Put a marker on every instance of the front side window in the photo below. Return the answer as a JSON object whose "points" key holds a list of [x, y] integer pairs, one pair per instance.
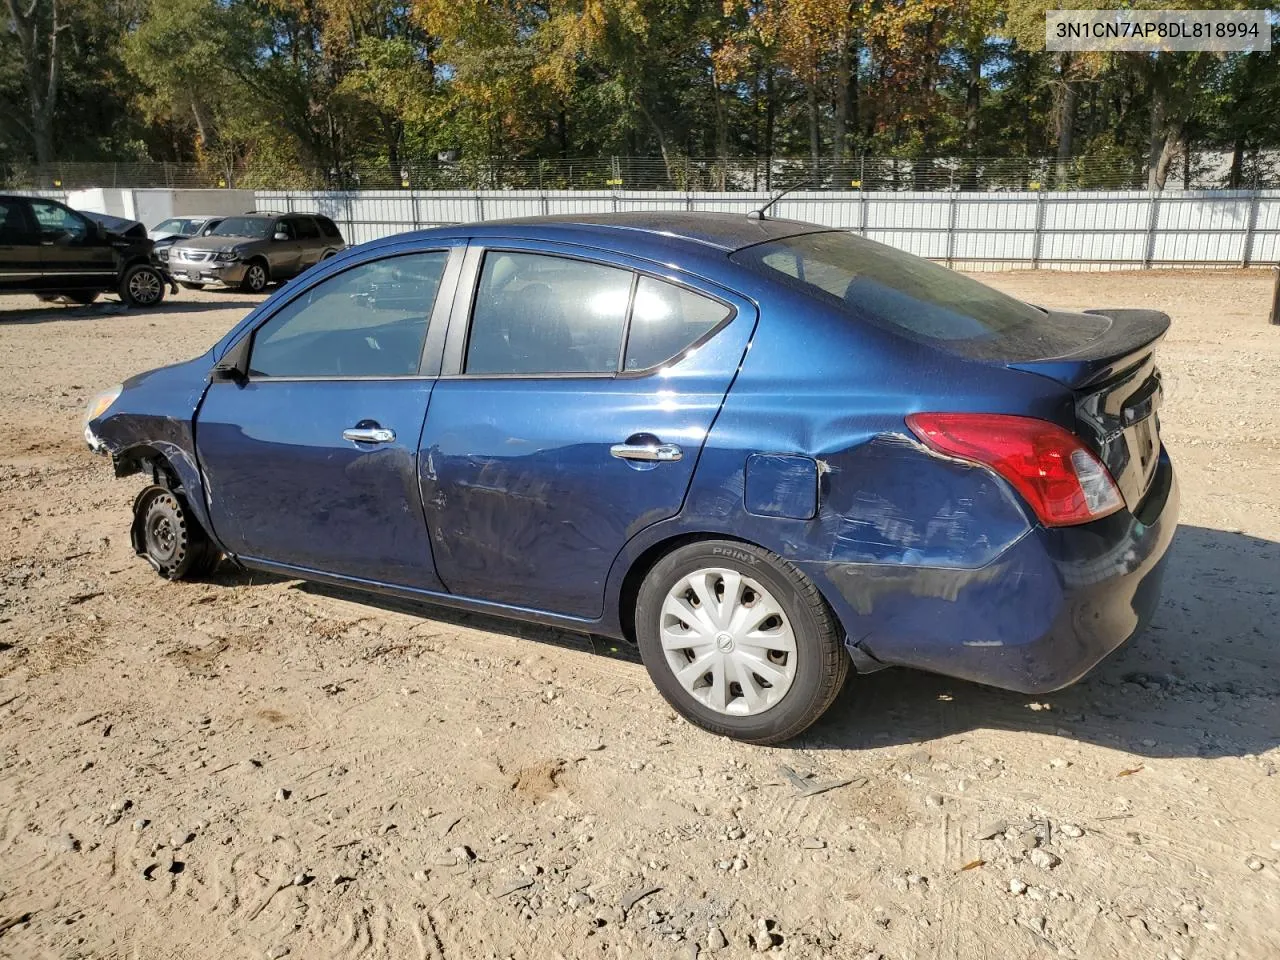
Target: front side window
{"points": [[539, 314], [666, 320], [57, 219], [369, 321]]}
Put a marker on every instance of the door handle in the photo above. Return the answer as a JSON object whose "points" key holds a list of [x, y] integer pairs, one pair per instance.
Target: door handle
{"points": [[659, 452], [369, 434]]}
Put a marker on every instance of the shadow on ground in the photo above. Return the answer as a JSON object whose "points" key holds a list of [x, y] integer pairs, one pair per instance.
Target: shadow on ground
{"points": [[55, 313], [1202, 681]]}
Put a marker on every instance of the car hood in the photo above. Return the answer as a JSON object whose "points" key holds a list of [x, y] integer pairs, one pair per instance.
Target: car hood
{"points": [[118, 226], [217, 243]]}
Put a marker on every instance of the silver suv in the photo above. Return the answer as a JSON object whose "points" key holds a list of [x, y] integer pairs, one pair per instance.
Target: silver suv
{"points": [[254, 249]]}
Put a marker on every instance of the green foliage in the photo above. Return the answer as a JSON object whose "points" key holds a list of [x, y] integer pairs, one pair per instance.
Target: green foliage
{"points": [[306, 92]]}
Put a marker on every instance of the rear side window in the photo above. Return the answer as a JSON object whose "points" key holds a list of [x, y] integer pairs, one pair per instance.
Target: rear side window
{"points": [[329, 228], [537, 314], [916, 298], [305, 229], [666, 320], [369, 321]]}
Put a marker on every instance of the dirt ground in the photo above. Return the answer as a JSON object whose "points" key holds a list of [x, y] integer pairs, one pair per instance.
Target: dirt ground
{"points": [[250, 767]]}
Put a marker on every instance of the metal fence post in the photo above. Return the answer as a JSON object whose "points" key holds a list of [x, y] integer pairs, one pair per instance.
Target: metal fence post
{"points": [[951, 230], [1152, 223], [1037, 239], [1247, 255], [862, 211]]}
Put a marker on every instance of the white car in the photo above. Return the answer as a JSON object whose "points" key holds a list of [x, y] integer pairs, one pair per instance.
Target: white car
{"points": [[180, 228]]}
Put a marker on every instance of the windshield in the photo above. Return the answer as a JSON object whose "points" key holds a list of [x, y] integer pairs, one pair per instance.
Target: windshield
{"points": [[919, 299], [179, 225], [255, 227]]}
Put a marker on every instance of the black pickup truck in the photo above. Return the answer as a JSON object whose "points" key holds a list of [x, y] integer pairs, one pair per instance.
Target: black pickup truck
{"points": [[60, 254]]}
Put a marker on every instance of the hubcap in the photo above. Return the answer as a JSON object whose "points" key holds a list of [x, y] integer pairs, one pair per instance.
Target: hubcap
{"points": [[257, 277], [728, 642], [144, 286]]}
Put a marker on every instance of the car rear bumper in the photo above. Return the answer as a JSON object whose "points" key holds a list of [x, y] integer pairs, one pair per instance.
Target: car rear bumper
{"points": [[1034, 620]]}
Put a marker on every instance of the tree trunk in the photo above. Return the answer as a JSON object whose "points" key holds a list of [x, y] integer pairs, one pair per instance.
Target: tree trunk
{"points": [[840, 127], [815, 137], [1235, 177], [769, 120], [1174, 144], [1064, 116], [1157, 136], [41, 73]]}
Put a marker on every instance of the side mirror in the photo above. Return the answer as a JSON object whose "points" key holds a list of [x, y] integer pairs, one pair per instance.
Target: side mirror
{"points": [[234, 365], [281, 235]]}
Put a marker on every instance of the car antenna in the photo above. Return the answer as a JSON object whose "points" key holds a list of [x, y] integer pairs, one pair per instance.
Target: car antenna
{"points": [[760, 214]]}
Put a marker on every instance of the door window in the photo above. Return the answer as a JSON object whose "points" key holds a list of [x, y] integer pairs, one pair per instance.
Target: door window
{"points": [[538, 314], [56, 219], [328, 228], [368, 321], [285, 227], [13, 222], [305, 229], [666, 320]]}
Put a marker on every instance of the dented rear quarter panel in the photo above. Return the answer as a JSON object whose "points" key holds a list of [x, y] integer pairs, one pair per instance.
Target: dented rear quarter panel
{"points": [[900, 534]]}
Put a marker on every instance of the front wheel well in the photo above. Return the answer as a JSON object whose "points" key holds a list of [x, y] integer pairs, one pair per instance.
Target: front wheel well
{"points": [[645, 562]]}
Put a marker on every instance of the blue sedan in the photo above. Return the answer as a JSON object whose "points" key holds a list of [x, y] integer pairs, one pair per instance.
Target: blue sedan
{"points": [[765, 451]]}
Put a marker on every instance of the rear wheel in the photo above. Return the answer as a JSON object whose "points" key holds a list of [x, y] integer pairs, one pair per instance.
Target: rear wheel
{"points": [[255, 277], [142, 286], [169, 537], [739, 641]]}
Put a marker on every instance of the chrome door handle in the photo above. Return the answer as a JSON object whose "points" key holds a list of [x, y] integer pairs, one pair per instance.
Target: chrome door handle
{"points": [[369, 434], [659, 452]]}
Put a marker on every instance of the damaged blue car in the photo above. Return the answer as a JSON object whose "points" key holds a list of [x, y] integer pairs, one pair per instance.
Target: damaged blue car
{"points": [[765, 451]]}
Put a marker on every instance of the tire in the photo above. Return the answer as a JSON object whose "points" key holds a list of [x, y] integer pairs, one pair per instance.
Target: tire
{"points": [[802, 681], [168, 536], [188, 285], [142, 286], [255, 278]]}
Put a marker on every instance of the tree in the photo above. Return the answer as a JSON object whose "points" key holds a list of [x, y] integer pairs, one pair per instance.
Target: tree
{"points": [[39, 26]]}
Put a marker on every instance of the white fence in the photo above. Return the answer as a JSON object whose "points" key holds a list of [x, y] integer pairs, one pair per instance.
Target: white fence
{"points": [[1080, 231]]}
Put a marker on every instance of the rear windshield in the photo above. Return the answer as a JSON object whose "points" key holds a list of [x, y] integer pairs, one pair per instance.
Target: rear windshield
{"points": [[919, 299]]}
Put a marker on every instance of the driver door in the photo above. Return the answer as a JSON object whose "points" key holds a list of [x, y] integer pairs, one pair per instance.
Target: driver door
{"points": [[73, 253], [311, 460]]}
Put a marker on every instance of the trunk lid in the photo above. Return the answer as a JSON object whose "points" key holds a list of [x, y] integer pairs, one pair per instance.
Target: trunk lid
{"points": [[1117, 393]]}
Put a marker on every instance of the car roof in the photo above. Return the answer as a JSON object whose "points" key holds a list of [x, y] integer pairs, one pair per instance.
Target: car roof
{"points": [[724, 231]]}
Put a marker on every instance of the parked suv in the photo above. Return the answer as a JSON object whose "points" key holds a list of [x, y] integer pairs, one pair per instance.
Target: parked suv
{"points": [[168, 232], [251, 250], [57, 253]]}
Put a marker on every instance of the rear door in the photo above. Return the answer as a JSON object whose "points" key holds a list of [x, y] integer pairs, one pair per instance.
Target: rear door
{"points": [[19, 246], [74, 253], [578, 388], [311, 463], [310, 243]]}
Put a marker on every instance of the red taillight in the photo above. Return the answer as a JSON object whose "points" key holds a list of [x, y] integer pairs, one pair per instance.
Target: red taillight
{"points": [[1057, 474]]}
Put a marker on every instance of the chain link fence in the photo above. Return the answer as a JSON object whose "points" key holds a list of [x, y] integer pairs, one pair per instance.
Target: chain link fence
{"points": [[1205, 170]]}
